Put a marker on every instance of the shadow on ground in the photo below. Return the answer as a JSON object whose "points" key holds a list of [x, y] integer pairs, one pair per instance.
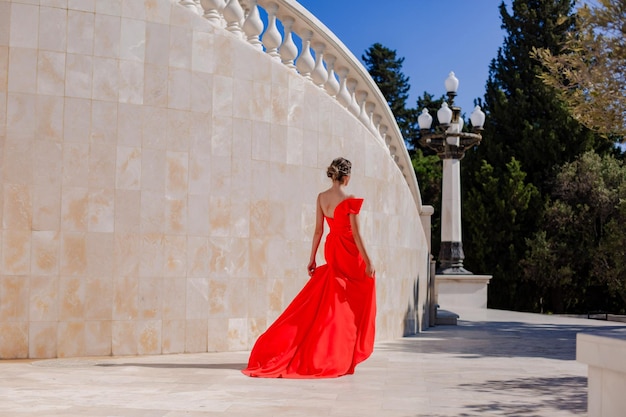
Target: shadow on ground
{"points": [[478, 339]]}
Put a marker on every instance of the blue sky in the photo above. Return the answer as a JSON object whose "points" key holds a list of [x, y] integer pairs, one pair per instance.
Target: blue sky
{"points": [[434, 37]]}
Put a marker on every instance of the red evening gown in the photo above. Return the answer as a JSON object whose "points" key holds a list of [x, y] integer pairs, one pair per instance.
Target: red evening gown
{"points": [[329, 326]]}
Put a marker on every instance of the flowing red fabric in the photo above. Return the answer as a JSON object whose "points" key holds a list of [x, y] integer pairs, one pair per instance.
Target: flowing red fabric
{"points": [[329, 326]]}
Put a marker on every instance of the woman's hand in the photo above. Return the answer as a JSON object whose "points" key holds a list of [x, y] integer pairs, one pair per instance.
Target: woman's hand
{"points": [[311, 267], [369, 270]]}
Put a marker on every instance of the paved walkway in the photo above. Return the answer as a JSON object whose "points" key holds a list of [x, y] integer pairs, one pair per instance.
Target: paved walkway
{"points": [[494, 363]]}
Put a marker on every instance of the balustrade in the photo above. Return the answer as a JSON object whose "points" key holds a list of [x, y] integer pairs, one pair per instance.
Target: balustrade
{"points": [[334, 68]]}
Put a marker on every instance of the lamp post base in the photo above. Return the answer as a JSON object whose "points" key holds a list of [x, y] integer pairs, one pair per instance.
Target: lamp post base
{"points": [[451, 259]]}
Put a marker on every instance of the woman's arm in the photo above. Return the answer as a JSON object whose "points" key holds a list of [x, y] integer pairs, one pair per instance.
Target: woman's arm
{"points": [[317, 235], [354, 222]]}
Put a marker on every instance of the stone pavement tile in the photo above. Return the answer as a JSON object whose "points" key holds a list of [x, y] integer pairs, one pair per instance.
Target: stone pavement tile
{"points": [[493, 363]]}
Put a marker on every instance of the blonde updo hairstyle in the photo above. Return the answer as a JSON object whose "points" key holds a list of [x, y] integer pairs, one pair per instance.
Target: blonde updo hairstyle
{"points": [[339, 169]]}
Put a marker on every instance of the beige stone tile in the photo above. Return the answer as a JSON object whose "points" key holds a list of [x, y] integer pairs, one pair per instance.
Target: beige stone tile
{"points": [[173, 336], [220, 216], [77, 121], [20, 118], [225, 44], [75, 209], [44, 299], [197, 300], [201, 92], [127, 211], [237, 334], [196, 335], [16, 246], [78, 75], [132, 39], [178, 130], [14, 292], [4, 69], [5, 26], [125, 299], [109, 7], [152, 212], [278, 144], [150, 294], [46, 207], [72, 300], [17, 207], [125, 338], [98, 338], [155, 85], [157, 11], [45, 253], [174, 255], [179, 89], [104, 122], [203, 52], [47, 163], [157, 39], [129, 125], [107, 33], [258, 253], [80, 31], [83, 5], [51, 73], [174, 300], [128, 168], [126, 254], [50, 118], [42, 339], [102, 158], [151, 263], [61, 4], [217, 335], [199, 179], [71, 339], [134, 10], [100, 250], [279, 108], [176, 184], [75, 165], [261, 94], [131, 82], [155, 128], [101, 210], [73, 254], [149, 337], [180, 47], [14, 340], [24, 25], [52, 29], [198, 256], [223, 96], [105, 79], [220, 176]]}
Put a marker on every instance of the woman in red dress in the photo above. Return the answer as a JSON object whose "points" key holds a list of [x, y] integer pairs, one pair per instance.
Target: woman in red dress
{"points": [[329, 326]]}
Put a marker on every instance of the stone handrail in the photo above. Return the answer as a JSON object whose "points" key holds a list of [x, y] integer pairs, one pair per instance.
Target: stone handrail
{"points": [[332, 67]]}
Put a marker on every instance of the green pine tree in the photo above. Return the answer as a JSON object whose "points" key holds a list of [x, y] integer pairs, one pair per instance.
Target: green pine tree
{"points": [[528, 134]]}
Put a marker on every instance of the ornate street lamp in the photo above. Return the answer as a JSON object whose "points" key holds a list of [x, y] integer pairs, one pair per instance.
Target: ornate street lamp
{"points": [[450, 143]]}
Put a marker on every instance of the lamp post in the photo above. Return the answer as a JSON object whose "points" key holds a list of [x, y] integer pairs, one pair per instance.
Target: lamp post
{"points": [[450, 143]]}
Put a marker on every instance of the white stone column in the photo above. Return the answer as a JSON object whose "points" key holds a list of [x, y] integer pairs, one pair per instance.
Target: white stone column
{"points": [[451, 251]]}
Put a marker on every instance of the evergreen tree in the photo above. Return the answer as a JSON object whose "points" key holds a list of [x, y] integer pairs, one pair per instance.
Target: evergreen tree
{"points": [[385, 69], [528, 134]]}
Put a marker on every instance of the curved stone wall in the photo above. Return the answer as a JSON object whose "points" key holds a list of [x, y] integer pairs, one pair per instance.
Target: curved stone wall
{"points": [[159, 179]]}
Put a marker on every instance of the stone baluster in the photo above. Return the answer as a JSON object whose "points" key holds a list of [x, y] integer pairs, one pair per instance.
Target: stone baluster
{"points": [[319, 75], [253, 25], [343, 96], [212, 10], [233, 13], [305, 62], [383, 134], [376, 119], [189, 4], [361, 97], [271, 38], [370, 107], [288, 49], [332, 85], [353, 106]]}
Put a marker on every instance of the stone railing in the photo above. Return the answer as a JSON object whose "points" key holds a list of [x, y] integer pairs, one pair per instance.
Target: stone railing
{"points": [[323, 59]]}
